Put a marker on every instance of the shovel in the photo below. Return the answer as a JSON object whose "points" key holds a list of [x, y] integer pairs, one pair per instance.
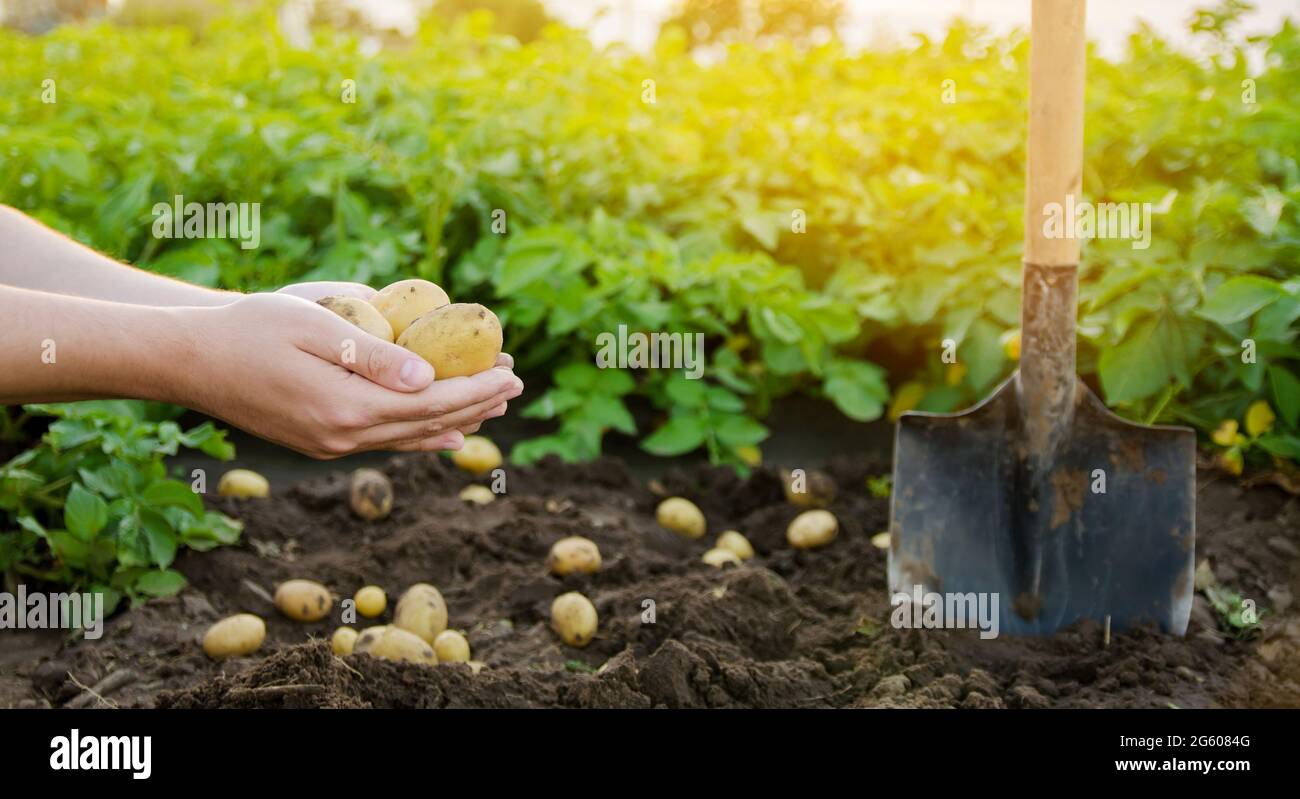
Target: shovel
{"points": [[1039, 496]]}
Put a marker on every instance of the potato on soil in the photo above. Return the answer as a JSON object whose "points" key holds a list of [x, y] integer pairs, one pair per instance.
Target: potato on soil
{"points": [[393, 643], [243, 483], [360, 313], [241, 634], [457, 340], [401, 303], [343, 641], [371, 494], [818, 489], [737, 543], [573, 618], [478, 455], [371, 601], [573, 554], [303, 600], [479, 495], [681, 516], [719, 557], [451, 647], [812, 528], [422, 611]]}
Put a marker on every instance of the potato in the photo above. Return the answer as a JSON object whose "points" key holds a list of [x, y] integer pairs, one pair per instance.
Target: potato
{"points": [[451, 647], [241, 634], [360, 313], [737, 543], [393, 643], [818, 489], [243, 483], [303, 600], [573, 554], [370, 600], [343, 641], [457, 340], [573, 618], [478, 456], [881, 540], [371, 494], [422, 611], [681, 516], [401, 303], [719, 557], [812, 528], [479, 495]]}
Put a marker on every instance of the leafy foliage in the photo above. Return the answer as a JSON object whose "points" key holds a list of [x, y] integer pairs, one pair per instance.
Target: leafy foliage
{"points": [[826, 220], [93, 506]]}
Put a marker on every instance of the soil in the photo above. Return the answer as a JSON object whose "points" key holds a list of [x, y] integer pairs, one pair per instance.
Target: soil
{"points": [[786, 629]]}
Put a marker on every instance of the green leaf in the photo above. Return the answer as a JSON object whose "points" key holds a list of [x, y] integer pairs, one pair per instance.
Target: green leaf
{"points": [[859, 389], [739, 431], [677, 436], [84, 513], [1286, 393], [1239, 298], [173, 492], [167, 582]]}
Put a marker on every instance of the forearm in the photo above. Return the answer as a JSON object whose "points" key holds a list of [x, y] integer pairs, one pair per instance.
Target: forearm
{"points": [[32, 256], [60, 348]]}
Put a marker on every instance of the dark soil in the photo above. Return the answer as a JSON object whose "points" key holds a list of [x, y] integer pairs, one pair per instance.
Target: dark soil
{"points": [[787, 629]]}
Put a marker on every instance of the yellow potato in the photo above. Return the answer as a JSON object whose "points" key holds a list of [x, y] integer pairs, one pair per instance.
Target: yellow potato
{"points": [[303, 600], [812, 528], [818, 489], [422, 611], [477, 456], [360, 313], [451, 647], [573, 554], [401, 303], [393, 643], [573, 618], [371, 601], [881, 540], [243, 483], [479, 495], [681, 516], [457, 340], [719, 557], [241, 634], [737, 543], [371, 494], [343, 641]]}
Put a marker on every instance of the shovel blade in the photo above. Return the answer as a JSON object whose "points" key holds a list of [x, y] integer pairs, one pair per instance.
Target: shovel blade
{"points": [[1106, 530]]}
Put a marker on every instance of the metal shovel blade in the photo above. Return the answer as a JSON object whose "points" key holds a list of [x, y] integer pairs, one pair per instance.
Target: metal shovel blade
{"points": [[1103, 528]]}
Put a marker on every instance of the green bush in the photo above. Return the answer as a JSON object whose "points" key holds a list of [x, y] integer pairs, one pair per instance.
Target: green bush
{"points": [[676, 215]]}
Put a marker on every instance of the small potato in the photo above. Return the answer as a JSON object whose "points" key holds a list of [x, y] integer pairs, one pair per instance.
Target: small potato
{"points": [[719, 557], [360, 313], [343, 641], [243, 483], [737, 543], [573, 554], [681, 516], [812, 528], [479, 495], [422, 611], [370, 600], [573, 618], [881, 540], [814, 490], [392, 643], [371, 494], [303, 600], [241, 634], [457, 340], [451, 647], [478, 456], [401, 303]]}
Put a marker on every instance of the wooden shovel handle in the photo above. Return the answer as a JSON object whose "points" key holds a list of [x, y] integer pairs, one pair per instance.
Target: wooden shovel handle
{"points": [[1057, 48]]}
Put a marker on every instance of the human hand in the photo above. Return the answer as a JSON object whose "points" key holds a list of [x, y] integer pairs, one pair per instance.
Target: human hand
{"points": [[294, 373], [320, 289]]}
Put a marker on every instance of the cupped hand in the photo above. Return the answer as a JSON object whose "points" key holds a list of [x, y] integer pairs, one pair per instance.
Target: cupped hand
{"points": [[320, 289], [290, 371]]}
